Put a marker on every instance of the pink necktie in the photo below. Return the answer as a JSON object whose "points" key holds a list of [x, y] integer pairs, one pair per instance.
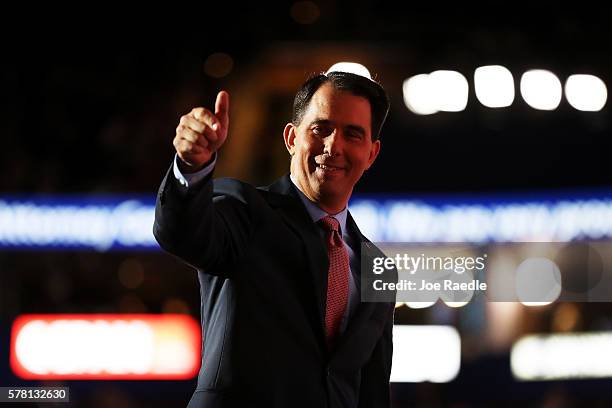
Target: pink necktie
{"points": [[337, 279]]}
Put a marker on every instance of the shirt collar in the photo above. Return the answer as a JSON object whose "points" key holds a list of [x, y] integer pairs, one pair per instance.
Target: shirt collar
{"points": [[317, 213]]}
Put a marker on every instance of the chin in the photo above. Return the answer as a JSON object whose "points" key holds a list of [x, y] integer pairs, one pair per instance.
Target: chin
{"points": [[329, 189]]}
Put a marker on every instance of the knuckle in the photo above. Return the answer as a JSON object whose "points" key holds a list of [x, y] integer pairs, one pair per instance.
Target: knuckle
{"points": [[193, 136], [200, 113]]}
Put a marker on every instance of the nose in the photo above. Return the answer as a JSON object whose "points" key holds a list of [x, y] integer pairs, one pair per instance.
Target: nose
{"points": [[333, 144]]}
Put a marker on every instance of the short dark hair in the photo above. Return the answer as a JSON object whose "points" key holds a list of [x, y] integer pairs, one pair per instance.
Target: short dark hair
{"points": [[353, 83]]}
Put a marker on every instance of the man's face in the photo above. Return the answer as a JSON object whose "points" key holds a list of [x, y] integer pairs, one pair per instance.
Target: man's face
{"points": [[332, 146]]}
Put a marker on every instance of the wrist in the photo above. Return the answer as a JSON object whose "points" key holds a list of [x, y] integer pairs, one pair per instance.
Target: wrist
{"points": [[187, 168]]}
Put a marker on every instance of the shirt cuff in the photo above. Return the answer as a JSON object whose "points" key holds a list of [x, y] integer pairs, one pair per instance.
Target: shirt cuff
{"points": [[189, 179]]}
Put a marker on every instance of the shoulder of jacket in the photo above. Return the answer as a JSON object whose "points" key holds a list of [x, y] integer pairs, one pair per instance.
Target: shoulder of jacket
{"points": [[237, 189]]}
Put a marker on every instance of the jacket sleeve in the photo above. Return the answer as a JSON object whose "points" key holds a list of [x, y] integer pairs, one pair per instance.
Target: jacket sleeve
{"points": [[375, 374], [206, 227]]}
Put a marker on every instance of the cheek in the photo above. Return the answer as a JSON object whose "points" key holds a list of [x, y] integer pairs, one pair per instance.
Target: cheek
{"points": [[304, 157], [359, 158], [308, 149]]}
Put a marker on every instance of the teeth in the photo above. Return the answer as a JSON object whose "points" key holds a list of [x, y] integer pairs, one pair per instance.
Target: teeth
{"points": [[323, 166]]}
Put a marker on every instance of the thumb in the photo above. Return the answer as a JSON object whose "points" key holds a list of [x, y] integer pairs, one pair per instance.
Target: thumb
{"points": [[222, 108]]}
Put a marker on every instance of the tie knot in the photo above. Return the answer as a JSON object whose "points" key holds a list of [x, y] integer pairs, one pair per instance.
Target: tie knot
{"points": [[330, 223]]}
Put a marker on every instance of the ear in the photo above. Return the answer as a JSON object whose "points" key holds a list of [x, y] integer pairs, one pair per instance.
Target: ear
{"points": [[289, 137], [373, 153]]}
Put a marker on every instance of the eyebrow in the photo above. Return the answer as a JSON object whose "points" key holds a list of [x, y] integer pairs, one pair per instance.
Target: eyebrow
{"points": [[327, 122]]}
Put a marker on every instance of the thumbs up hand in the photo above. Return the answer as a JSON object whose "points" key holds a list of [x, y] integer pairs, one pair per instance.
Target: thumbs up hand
{"points": [[201, 133]]}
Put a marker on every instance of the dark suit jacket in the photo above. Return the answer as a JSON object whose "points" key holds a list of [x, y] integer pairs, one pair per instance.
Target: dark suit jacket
{"points": [[262, 268]]}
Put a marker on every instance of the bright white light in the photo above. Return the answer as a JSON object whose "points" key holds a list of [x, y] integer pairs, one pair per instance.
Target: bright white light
{"points": [[455, 304], [162, 347], [65, 347], [535, 304], [29, 339], [538, 281], [586, 92], [350, 67], [494, 86], [418, 95], [425, 353], [450, 90], [562, 356], [541, 89], [420, 305]]}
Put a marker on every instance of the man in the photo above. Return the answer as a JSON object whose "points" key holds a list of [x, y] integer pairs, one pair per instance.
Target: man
{"points": [[278, 266]]}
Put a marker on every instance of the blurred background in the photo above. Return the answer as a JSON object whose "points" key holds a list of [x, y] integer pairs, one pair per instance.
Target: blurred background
{"points": [[91, 97]]}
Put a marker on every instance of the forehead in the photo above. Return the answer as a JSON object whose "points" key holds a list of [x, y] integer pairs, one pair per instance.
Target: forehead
{"points": [[339, 106]]}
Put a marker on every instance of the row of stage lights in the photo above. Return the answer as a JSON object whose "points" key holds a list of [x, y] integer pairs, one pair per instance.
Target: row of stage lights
{"points": [[448, 91]]}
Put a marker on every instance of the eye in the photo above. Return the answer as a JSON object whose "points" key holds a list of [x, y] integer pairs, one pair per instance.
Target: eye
{"points": [[321, 130]]}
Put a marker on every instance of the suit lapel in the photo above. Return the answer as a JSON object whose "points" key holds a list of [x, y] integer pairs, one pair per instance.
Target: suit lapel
{"points": [[294, 213]]}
